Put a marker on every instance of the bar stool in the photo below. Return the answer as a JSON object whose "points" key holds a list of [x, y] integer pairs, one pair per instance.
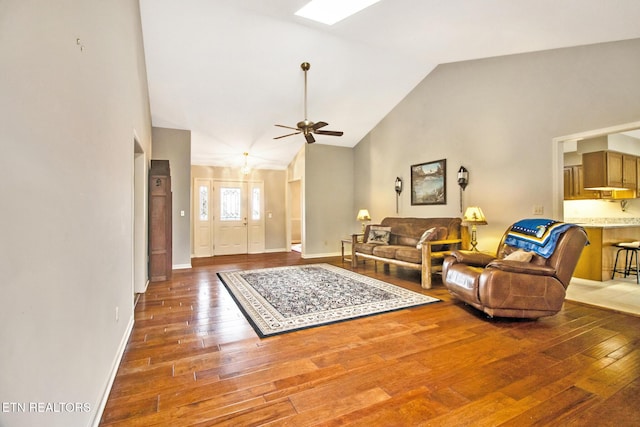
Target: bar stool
{"points": [[630, 252]]}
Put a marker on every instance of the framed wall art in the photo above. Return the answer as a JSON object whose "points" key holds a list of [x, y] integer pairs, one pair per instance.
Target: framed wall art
{"points": [[429, 183]]}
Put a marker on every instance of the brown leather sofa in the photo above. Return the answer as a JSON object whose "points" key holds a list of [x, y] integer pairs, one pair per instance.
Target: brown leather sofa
{"points": [[402, 250], [511, 288]]}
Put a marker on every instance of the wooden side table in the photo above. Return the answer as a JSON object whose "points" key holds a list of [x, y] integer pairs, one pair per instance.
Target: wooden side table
{"points": [[346, 241], [349, 241]]}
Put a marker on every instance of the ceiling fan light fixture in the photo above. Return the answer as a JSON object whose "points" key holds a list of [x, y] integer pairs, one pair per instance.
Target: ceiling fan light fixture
{"points": [[306, 127], [246, 170], [331, 11]]}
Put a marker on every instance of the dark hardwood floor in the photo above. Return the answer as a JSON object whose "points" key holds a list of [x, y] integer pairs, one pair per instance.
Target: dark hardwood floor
{"points": [[194, 360]]}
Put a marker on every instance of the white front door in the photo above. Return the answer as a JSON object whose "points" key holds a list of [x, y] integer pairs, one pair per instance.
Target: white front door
{"points": [[230, 218]]}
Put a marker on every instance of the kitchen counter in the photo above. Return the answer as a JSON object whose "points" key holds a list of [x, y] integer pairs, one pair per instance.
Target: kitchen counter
{"points": [[596, 225], [596, 261]]}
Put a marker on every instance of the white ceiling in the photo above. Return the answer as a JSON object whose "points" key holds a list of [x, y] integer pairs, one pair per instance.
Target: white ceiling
{"points": [[228, 70]]}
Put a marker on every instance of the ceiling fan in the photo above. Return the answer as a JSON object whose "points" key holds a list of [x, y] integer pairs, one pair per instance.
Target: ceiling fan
{"points": [[307, 127]]}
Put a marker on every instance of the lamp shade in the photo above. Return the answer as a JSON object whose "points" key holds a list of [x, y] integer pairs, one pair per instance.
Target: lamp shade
{"points": [[474, 216], [363, 215]]}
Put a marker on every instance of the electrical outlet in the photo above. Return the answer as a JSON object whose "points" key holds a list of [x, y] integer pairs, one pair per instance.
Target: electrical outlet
{"points": [[538, 209], [117, 313]]}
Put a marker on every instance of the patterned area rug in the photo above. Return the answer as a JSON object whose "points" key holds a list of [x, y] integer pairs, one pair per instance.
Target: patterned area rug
{"points": [[285, 299]]}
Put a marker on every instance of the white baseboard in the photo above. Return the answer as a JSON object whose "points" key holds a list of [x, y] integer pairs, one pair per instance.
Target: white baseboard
{"points": [[180, 266], [330, 254], [114, 371], [275, 250], [146, 285]]}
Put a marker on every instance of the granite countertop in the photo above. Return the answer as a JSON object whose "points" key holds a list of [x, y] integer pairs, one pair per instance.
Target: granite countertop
{"points": [[606, 225], [605, 222]]}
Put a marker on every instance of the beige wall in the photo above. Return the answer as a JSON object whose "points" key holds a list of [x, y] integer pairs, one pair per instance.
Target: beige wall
{"points": [[328, 194], [175, 145], [67, 119], [274, 203], [497, 117]]}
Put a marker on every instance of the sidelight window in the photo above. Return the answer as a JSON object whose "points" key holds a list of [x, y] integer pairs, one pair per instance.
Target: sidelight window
{"points": [[204, 203], [255, 204]]}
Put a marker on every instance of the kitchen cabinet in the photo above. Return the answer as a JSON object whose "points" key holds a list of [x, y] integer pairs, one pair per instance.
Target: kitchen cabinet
{"points": [[590, 263], [568, 183], [609, 170], [629, 172], [574, 184], [637, 176]]}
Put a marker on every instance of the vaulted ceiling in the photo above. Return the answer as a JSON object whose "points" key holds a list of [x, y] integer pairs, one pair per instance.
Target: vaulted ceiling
{"points": [[229, 70]]}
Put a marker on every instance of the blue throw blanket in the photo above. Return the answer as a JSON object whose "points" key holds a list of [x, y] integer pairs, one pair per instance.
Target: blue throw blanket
{"points": [[536, 235]]}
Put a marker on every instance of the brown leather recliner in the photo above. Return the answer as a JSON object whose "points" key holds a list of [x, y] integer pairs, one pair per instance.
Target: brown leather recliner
{"points": [[509, 288]]}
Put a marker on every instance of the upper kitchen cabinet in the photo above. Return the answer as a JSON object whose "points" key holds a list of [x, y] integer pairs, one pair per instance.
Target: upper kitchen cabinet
{"points": [[629, 172], [609, 170], [574, 184]]}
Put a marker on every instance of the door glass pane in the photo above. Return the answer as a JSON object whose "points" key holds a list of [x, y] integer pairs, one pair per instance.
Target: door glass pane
{"points": [[255, 204], [204, 203], [230, 204]]}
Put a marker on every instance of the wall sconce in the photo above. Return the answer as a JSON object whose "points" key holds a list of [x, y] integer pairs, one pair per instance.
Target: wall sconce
{"points": [[363, 216], [398, 191], [463, 180], [463, 177]]}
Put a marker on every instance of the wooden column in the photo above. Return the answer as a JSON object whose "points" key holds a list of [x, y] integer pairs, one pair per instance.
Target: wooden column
{"points": [[160, 246]]}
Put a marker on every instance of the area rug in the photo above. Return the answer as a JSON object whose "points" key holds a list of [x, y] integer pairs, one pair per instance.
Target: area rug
{"points": [[284, 299]]}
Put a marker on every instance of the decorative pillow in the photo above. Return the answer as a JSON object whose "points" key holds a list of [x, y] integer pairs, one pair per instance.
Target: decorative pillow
{"points": [[435, 233], [379, 235], [426, 236], [519, 255]]}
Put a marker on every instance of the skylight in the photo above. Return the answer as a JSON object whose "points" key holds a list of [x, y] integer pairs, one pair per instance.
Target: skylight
{"points": [[331, 11]]}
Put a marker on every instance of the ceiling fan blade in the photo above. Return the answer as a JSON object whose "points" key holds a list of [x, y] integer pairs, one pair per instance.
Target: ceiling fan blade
{"points": [[284, 136], [310, 139], [319, 125], [286, 127], [329, 132]]}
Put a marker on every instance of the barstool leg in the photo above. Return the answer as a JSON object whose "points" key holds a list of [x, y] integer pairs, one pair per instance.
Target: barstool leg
{"points": [[627, 264], [615, 265]]}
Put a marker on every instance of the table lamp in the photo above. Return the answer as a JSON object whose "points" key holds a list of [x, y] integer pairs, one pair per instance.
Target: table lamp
{"points": [[363, 216], [473, 216]]}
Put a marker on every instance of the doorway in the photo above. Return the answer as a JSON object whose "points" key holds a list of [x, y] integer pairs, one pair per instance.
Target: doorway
{"points": [[558, 156], [140, 281], [295, 207], [228, 217]]}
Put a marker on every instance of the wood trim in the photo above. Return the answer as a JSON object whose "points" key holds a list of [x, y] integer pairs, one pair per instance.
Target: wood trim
{"points": [[425, 266]]}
